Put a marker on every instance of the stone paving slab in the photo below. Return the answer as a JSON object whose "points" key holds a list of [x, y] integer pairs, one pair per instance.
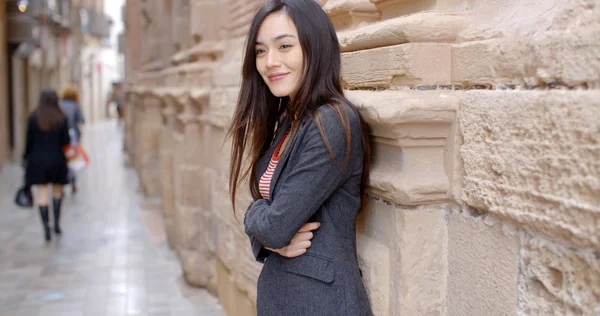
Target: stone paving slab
{"points": [[113, 257]]}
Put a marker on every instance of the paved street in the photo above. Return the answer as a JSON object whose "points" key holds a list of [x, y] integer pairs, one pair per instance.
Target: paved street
{"points": [[113, 257]]}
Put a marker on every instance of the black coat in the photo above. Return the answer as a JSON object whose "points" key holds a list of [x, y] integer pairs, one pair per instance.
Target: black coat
{"points": [[46, 161]]}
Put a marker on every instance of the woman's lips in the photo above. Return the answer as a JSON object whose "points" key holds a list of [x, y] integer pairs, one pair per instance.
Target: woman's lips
{"points": [[277, 77]]}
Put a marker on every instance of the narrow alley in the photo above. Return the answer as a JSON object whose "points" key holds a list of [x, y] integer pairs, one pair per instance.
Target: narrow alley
{"points": [[112, 258]]}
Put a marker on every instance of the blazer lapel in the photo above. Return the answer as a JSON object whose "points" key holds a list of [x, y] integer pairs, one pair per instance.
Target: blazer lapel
{"points": [[283, 159], [264, 161]]}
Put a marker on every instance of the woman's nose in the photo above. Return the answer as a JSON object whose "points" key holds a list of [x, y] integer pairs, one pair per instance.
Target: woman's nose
{"points": [[272, 59]]}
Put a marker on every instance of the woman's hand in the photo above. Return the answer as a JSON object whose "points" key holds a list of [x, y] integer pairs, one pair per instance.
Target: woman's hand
{"points": [[300, 242]]}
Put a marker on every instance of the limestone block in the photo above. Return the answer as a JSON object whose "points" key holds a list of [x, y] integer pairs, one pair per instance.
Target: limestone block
{"points": [[195, 192], [206, 52], [422, 265], [217, 155], [400, 65], [420, 27], [198, 269], [169, 115], [452, 5], [196, 258], [232, 241], [413, 239], [568, 57], [239, 15], [222, 106], [561, 57], [473, 62], [130, 124], [347, 14], [192, 131], [149, 146], [394, 8], [189, 234], [532, 156], [207, 17], [229, 74], [483, 265], [509, 18], [374, 260], [557, 279], [234, 301], [172, 76], [167, 197], [412, 161], [197, 74], [181, 24]]}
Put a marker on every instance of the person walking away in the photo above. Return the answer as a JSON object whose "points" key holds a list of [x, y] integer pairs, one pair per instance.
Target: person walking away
{"points": [[115, 96], [47, 134], [72, 110]]}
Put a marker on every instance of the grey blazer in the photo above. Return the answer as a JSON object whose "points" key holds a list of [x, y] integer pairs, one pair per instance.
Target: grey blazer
{"points": [[308, 187]]}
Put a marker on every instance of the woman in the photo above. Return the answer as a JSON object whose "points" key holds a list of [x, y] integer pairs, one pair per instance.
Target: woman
{"points": [[70, 107], [47, 134], [309, 149]]}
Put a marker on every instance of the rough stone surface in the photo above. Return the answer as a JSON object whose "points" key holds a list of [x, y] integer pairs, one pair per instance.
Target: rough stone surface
{"points": [[483, 263], [410, 164], [423, 265], [558, 57], [504, 185], [556, 279], [347, 14], [407, 245], [533, 157], [406, 64], [421, 27], [375, 266]]}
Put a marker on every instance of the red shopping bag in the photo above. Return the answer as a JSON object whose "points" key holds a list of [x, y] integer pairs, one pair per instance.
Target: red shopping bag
{"points": [[77, 158]]}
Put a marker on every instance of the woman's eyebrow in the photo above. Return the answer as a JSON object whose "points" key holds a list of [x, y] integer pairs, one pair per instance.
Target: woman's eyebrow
{"points": [[278, 37]]}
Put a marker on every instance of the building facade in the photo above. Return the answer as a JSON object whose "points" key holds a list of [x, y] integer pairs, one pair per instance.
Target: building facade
{"points": [[5, 130], [36, 50], [485, 184], [41, 45], [91, 34]]}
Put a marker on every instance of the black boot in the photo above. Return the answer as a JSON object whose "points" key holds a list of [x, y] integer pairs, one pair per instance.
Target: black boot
{"points": [[56, 208], [44, 217]]}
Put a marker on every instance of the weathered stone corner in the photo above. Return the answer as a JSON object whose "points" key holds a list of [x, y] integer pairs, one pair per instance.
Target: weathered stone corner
{"points": [[411, 131]]}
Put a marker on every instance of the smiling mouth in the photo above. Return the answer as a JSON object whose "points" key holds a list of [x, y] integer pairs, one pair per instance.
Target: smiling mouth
{"points": [[277, 77]]}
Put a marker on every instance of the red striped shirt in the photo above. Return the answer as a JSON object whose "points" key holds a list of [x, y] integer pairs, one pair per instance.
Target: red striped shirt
{"points": [[265, 180]]}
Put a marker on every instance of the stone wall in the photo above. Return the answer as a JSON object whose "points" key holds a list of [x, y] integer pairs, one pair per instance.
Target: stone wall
{"points": [[485, 121], [5, 147]]}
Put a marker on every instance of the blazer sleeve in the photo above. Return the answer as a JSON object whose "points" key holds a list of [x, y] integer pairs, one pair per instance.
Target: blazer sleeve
{"points": [[259, 252], [303, 190]]}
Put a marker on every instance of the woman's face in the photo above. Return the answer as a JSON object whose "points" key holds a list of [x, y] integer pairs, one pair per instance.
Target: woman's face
{"points": [[279, 56]]}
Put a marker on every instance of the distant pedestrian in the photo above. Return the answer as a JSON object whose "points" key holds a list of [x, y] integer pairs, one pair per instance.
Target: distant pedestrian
{"points": [[116, 96], [72, 110], [47, 134]]}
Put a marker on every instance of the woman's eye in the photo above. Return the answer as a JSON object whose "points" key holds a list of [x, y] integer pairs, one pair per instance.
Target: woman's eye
{"points": [[260, 51], [284, 46]]}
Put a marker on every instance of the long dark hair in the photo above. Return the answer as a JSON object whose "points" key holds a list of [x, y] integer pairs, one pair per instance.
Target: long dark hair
{"points": [[48, 114], [257, 111]]}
